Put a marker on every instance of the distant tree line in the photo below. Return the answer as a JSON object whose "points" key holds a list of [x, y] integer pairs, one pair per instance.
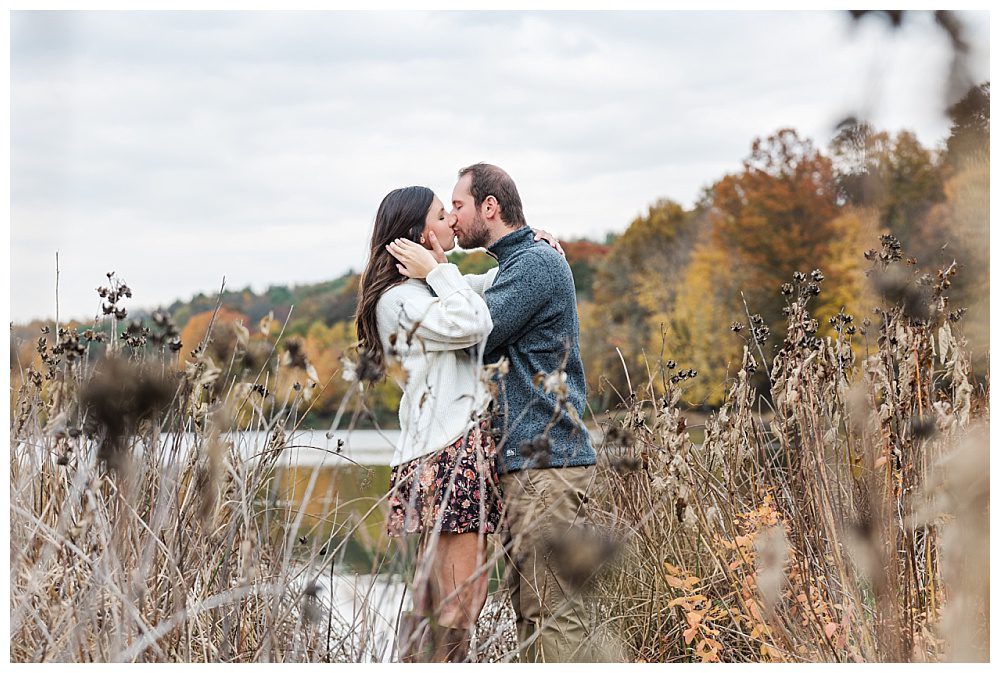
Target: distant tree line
{"points": [[678, 286]]}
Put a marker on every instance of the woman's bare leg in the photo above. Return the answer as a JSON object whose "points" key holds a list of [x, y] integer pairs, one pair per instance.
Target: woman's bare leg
{"points": [[423, 590], [458, 596], [413, 634], [457, 584]]}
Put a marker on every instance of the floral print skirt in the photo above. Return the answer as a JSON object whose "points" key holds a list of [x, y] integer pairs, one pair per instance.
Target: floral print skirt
{"points": [[456, 488]]}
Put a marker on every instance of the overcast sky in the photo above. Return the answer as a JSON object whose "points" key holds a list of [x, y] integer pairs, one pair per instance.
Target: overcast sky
{"points": [[178, 148]]}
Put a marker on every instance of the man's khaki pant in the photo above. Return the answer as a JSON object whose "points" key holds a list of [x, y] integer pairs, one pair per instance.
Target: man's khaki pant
{"points": [[541, 504]]}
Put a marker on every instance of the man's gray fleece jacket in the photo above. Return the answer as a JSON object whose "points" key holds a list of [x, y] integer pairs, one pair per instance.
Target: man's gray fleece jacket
{"points": [[532, 303]]}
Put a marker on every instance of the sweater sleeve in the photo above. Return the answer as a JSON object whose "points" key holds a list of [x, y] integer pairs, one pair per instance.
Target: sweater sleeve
{"points": [[480, 282], [456, 318]]}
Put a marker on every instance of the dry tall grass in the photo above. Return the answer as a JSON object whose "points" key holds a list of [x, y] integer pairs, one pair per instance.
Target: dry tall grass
{"points": [[851, 526], [140, 531], [845, 521]]}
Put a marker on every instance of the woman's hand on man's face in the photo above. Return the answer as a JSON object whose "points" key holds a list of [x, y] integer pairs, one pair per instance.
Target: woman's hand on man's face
{"points": [[414, 260]]}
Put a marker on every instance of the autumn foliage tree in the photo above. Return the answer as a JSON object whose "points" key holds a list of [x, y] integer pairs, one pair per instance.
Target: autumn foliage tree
{"points": [[670, 288], [699, 323], [935, 203], [229, 340], [779, 215], [895, 175], [960, 224], [957, 230], [969, 137], [325, 346], [634, 289], [584, 258]]}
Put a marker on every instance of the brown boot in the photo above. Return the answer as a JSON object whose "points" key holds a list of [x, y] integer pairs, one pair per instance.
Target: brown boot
{"points": [[451, 645], [413, 638]]}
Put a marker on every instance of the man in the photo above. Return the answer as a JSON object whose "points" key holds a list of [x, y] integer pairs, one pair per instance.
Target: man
{"points": [[545, 454]]}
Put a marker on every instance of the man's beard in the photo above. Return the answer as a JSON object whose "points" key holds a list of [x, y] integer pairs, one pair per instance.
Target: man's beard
{"points": [[478, 235]]}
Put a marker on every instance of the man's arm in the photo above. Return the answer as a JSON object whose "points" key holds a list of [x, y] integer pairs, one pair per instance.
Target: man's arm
{"points": [[516, 297]]}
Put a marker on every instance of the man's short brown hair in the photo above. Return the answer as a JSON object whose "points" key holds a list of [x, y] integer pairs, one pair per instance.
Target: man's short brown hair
{"points": [[489, 180]]}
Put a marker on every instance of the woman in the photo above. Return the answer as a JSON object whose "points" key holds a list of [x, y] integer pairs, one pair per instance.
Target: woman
{"points": [[420, 321]]}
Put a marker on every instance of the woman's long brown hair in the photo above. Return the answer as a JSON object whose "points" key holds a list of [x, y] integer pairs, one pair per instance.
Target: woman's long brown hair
{"points": [[402, 214]]}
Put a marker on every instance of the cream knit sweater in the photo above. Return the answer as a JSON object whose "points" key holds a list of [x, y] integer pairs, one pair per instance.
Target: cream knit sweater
{"points": [[427, 334]]}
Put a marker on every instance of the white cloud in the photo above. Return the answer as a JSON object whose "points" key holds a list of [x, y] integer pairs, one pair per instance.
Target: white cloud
{"points": [[178, 147]]}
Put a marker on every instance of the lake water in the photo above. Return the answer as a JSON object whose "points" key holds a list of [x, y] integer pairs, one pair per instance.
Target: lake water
{"points": [[312, 448], [338, 485], [367, 607], [340, 494]]}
